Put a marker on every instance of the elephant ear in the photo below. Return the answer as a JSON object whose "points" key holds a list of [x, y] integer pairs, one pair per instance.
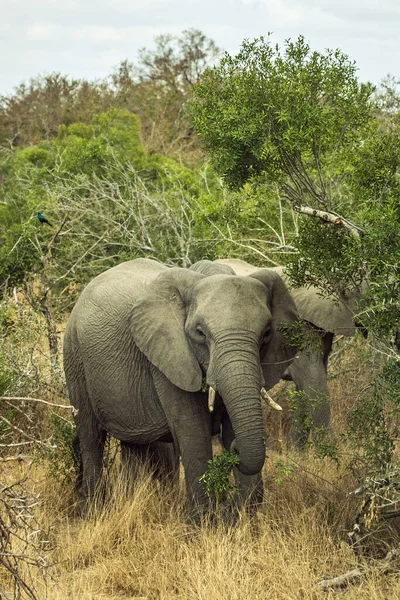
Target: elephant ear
{"points": [[279, 352], [326, 312], [157, 324]]}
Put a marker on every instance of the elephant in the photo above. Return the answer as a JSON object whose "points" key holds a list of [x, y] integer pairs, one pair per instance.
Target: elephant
{"points": [[326, 316], [140, 344]]}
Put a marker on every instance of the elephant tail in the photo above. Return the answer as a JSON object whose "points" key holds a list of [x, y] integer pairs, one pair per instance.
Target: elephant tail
{"points": [[78, 463]]}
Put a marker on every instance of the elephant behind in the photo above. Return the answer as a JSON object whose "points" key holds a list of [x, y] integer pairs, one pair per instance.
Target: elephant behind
{"points": [[326, 317], [141, 340]]}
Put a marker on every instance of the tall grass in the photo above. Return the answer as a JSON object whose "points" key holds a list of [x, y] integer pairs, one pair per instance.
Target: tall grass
{"points": [[140, 544]]}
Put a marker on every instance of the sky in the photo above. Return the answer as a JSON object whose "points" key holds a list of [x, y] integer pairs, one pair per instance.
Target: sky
{"points": [[89, 38]]}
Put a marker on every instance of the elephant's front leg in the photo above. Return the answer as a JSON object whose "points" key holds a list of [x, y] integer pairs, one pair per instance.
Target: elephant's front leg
{"points": [[190, 424], [251, 487]]}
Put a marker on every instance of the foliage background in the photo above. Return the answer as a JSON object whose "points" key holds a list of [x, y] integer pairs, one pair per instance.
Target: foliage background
{"points": [[276, 156]]}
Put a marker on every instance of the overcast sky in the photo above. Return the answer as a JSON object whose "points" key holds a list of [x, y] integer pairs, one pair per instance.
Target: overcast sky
{"points": [[88, 38]]}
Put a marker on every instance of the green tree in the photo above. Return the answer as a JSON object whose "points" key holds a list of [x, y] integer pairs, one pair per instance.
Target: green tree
{"points": [[300, 120], [292, 117]]}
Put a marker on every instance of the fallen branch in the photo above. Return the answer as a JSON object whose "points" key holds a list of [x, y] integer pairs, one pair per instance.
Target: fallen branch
{"points": [[341, 580], [384, 566]]}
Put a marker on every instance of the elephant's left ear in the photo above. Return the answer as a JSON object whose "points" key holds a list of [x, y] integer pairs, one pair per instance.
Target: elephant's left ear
{"points": [[280, 350], [158, 327]]}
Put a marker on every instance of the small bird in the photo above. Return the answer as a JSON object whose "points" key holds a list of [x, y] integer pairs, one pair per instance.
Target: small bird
{"points": [[43, 219]]}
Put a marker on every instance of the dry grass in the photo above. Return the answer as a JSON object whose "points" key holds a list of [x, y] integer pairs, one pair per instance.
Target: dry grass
{"points": [[141, 545]]}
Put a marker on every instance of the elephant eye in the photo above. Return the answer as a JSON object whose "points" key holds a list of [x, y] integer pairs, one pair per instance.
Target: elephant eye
{"points": [[267, 334], [200, 332]]}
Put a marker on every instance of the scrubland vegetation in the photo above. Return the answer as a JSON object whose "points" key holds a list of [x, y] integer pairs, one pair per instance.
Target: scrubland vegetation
{"points": [[277, 156]]}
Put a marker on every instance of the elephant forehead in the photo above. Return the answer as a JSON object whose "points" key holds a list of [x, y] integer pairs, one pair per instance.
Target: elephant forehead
{"points": [[232, 301], [220, 287]]}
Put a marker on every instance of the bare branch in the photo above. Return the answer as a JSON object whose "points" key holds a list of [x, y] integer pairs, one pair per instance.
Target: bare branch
{"points": [[19, 458], [29, 399], [384, 566], [15, 445], [330, 218], [27, 435], [21, 541]]}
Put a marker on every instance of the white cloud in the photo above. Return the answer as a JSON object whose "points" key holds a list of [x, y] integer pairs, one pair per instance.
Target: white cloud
{"points": [[287, 13], [48, 32], [99, 33]]}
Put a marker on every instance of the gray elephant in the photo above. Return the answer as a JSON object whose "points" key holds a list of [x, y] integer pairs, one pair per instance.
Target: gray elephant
{"points": [[326, 317], [140, 341]]}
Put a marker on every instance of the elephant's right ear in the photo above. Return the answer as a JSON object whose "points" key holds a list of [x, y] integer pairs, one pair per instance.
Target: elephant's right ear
{"points": [[323, 311], [158, 327]]}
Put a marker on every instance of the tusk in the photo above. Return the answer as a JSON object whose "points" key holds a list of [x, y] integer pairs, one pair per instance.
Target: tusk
{"points": [[211, 398], [265, 396]]}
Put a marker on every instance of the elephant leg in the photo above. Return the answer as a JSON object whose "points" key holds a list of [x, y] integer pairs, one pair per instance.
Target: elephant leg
{"points": [[88, 446], [309, 373], [161, 457], [190, 425], [250, 487], [91, 441], [165, 458]]}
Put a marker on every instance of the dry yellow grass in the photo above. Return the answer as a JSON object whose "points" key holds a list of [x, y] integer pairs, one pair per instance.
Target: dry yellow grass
{"points": [[140, 545]]}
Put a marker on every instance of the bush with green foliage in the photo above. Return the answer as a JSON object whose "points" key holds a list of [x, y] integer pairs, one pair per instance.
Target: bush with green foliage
{"points": [[216, 480]]}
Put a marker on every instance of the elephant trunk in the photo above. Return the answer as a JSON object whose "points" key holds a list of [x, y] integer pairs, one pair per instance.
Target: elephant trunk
{"points": [[238, 381]]}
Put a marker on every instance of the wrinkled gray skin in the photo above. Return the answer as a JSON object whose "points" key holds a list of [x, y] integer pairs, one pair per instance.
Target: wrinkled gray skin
{"points": [[137, 345], [326, 317]]}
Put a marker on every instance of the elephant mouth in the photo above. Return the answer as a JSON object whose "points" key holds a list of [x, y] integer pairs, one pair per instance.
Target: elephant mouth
{"points": [[263, 393]]}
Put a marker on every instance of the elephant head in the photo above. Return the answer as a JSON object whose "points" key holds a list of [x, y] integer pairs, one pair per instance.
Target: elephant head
{"points": [[325, 312], [189, 326]]}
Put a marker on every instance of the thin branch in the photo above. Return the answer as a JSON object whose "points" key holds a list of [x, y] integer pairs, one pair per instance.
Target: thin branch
{"points": [[318, 165], [76, 263], [15, 445], [19, 458], [28, 399], [30, 437]]}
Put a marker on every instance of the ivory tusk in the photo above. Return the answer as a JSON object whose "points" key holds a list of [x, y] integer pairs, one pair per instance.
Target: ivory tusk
{"points": [[265, 396], [211, 398]]}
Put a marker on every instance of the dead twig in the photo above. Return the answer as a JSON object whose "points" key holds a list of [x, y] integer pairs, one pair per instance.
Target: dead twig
{"points": [[22, 543]]}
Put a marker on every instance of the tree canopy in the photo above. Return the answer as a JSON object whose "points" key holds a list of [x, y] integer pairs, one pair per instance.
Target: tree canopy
{"points": [[301, 120]]}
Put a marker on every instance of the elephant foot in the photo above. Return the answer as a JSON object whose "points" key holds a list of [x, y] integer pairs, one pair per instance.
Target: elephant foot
{"points": [[90, 505], [83, 509]]}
